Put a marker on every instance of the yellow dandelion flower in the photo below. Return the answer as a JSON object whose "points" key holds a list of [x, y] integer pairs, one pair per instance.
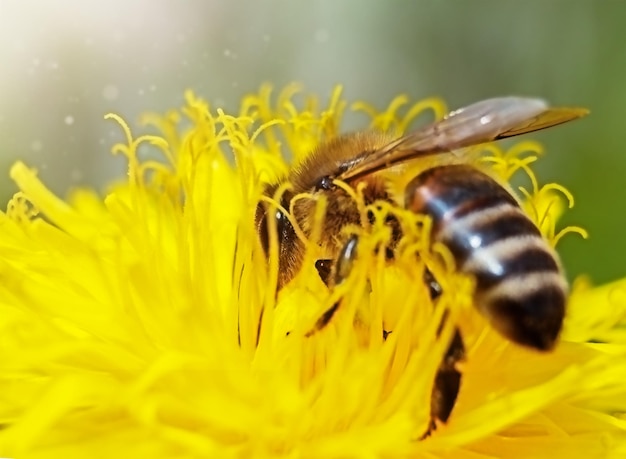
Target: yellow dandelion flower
{"points": [[146, 324]]}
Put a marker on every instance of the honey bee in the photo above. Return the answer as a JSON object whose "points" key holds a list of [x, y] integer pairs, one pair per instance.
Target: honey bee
{"points": [[520, 287]]}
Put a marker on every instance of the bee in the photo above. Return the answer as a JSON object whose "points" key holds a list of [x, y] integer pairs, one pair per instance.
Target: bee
{"points": [[520, 287]]}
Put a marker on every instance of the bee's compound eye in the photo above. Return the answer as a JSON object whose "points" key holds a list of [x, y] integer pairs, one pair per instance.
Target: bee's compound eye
{"points": [[262, 218], [277, 236], [283, 226], [280, 219], [261, 225]]}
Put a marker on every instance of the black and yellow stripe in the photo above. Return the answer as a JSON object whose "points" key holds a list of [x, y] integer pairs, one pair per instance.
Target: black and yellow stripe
{"points": [[519, 284]]}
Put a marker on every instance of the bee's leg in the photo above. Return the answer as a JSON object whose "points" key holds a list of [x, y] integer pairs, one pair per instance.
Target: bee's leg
{"points": [[334, 272], [434, 288], [447, 383], [448, 379], [345, 260]]}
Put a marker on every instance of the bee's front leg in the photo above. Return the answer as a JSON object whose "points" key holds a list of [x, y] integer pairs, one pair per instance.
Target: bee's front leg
{"points": [[333, 273]]}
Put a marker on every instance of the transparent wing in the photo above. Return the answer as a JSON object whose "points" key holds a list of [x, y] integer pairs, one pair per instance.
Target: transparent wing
{"points": [[484, 121]]}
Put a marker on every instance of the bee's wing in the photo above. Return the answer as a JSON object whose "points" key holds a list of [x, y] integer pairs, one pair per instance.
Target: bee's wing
{"points": [[484, 121]]}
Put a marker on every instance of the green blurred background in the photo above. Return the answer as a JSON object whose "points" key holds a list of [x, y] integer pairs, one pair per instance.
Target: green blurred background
{"points": [[65, 64]]}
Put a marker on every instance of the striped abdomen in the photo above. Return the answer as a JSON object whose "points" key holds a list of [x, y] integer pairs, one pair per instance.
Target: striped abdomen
{"points": [[519, 284]]}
